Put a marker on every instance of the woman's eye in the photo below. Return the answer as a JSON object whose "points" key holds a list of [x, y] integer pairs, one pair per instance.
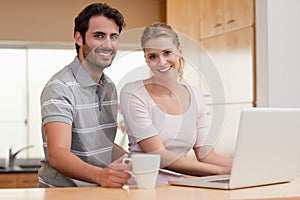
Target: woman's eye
{"points": [[152, 57], [168, 52]]}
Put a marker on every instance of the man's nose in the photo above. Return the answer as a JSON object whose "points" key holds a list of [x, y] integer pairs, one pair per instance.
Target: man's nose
{"points": [[107, 43]]}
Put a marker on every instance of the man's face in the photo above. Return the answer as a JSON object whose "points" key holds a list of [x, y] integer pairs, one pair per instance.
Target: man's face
{"points": [[101, 42]]}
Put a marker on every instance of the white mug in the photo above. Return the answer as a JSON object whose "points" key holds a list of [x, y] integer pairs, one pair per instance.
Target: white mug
{"points": [[145, 169]]}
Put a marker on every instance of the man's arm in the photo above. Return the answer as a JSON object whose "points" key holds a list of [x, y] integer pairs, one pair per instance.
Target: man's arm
{"points": [[59, 137]]}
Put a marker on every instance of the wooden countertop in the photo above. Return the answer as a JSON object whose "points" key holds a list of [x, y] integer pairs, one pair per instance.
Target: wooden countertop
{"points": [[278, 191]]}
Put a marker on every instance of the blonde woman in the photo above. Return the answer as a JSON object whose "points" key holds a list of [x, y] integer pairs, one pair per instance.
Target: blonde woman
{"points": [[165, 116]]}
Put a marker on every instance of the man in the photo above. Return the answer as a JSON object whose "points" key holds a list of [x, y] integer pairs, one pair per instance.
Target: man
{"points": [[79, 108]]}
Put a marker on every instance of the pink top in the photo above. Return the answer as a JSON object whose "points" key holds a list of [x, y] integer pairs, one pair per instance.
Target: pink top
{"points": [[144, 119]]}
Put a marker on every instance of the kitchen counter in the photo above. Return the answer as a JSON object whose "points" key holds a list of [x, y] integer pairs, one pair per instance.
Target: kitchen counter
{"points": [[277, 191], [22, 165]]}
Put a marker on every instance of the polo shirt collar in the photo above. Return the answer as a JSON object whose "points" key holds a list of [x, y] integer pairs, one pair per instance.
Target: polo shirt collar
{"points": [[82, 76]]}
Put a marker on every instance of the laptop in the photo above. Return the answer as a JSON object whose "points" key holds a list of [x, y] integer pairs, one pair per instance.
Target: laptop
{"points": [[267, 151]]}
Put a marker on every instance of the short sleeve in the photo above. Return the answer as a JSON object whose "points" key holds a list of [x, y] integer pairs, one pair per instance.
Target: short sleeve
{"points": [[136, 108], [202, 119], [57, 103]]}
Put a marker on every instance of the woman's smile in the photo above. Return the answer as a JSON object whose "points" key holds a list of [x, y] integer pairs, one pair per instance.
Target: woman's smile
{"points": [[163, 70]]}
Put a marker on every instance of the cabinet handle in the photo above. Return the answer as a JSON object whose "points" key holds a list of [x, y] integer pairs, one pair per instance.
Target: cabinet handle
{"points": [[217, 25], [6, 181], [230, 21], [29, 181]]}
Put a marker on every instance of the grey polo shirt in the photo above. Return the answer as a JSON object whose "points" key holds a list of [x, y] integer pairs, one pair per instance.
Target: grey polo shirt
{"points": [[71, 96]]}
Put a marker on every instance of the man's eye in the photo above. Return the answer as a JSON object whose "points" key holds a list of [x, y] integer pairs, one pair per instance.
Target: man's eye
{"points": [[99, 36], [114, 37]]}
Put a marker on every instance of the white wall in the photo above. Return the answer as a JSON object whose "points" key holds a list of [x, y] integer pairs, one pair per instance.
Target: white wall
{"points": [[278, 57], [278, 53]]}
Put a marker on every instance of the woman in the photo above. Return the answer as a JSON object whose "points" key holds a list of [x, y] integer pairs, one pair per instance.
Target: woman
{"points": [[165, 116]]}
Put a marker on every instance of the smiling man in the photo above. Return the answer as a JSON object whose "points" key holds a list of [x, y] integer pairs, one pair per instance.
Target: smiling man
{"points": [[79, 108]]}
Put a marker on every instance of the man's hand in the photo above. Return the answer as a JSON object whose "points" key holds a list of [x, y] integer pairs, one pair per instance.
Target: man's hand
{"points": [[114, 175]]}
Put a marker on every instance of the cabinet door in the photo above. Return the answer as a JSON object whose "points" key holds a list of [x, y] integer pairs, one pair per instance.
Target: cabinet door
{"points": [[27, 180], [212, 17], [184, 17], [225, 145], [238, 14], [8, 180], [232, 54]]}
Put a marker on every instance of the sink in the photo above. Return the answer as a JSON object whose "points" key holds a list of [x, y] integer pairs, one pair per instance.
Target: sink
{"points": [[24, 166], [29, 164]]}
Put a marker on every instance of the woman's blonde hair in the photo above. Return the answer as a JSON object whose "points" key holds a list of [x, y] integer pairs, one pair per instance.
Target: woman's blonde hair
{"points": [[160, 29]]}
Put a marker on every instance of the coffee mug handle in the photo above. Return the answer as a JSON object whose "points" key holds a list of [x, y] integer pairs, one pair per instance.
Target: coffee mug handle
{"points": [[128, 161]]}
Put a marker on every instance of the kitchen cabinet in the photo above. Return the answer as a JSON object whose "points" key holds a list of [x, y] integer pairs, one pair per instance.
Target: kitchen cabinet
{"points": [[219, 16], [19, 180], [225, 30], [8, 180], [184, 17], [232, 54], [238, 14], [27, 180], [211, 17], [201, 19], [225, 143]]}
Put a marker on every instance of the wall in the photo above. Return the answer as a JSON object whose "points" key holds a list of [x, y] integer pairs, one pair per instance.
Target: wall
{"points": [[278, 64], [278, 42], [52, 20]]}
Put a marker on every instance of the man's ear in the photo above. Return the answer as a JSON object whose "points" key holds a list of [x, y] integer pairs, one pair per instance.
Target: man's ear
{"points": [[78, 38]]}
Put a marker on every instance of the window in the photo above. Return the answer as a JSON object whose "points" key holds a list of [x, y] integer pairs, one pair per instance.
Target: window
{"points": [[13, 89], [41, 65], [23, 74]]}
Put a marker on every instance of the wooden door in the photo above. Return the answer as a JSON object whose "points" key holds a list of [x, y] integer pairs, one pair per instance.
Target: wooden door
{"points": [[233, 55], [27, 180], [8, 180], [212, 17], [238, 14], [184, 17]]}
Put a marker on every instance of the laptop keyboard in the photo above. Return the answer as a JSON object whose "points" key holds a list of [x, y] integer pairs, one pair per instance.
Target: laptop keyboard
{"points": [[221, 181]]}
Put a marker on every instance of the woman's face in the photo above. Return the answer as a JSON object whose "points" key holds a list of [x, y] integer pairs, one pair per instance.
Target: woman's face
{"points": [[162, 56]]}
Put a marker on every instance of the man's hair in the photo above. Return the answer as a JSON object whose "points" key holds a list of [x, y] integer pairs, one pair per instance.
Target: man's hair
{"points": [[96, 9]]}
